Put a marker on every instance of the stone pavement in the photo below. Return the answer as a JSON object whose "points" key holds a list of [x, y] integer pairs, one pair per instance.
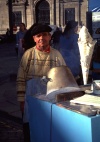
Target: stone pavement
{"points": [[8, 72], [10, 115]]}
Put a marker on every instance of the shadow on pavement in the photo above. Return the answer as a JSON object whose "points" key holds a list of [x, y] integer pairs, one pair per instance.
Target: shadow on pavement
{"points": [[11, 127]]}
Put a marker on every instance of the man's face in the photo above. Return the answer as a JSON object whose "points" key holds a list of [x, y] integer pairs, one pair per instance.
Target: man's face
{"points": [[42, 40]]}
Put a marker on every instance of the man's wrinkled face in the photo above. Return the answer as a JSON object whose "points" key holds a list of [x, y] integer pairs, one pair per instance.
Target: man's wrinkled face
{"points": [[42, 39]]}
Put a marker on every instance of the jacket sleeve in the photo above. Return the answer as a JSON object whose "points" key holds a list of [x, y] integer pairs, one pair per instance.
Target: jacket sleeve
{"points": [[21, 77]]}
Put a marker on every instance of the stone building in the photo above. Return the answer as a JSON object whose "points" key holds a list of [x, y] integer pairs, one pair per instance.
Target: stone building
{"points": [[53, 12]]}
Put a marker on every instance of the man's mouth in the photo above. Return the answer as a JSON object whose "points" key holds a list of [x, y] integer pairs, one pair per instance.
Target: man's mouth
{"points": [[41, 42]]}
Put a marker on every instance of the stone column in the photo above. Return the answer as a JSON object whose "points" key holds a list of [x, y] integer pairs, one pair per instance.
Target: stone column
{"points": [[77, 12], [24, 13], [29, 13], [57, 13], [52, 15], [4, 17], [61, 14]]}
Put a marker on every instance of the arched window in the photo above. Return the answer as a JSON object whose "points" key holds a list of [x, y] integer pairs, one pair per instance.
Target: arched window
{"points": [[43, 12], [69, 14], [17, 18]]}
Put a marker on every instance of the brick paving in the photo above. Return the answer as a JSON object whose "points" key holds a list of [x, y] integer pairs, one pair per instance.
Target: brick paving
{"points": [[10, 115]]}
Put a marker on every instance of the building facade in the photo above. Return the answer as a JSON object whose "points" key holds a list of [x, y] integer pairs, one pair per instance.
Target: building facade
{"points": [[52, 12]]}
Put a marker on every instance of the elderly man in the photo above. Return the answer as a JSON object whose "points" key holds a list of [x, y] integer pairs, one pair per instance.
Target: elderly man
{"points": [[35, 64]]}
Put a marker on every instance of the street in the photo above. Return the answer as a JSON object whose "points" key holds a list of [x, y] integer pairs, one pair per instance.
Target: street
{"points": [[10, 115]]}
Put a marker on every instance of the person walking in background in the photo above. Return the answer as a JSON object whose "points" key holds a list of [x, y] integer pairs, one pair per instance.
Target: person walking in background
{"points": [[8, 38], [69, 47], [60, 28], [19, 36], [35, 64], [28, 41], [55, 38], [95, 63]]}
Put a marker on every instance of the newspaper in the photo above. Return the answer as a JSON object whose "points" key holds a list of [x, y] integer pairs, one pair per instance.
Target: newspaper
{"points": [[86, 48], [88, 100]]}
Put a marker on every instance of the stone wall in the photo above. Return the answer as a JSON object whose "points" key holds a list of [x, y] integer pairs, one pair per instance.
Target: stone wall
{"points": [[83, 10], [56, 15], [4, 20]]}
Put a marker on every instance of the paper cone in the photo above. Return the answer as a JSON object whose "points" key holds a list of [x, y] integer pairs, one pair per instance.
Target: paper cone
{"points": [[85, 73], [86, 48], [85, 64]]}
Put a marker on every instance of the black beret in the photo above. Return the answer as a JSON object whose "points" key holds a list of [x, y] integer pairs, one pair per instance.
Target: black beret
{"points": [[40, 28]]}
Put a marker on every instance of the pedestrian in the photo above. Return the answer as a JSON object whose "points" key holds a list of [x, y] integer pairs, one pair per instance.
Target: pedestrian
{"points": [[69, 48], [28, 41], [95, 63], [56, 38], [35, 64], [19, 36], [8, 35]]}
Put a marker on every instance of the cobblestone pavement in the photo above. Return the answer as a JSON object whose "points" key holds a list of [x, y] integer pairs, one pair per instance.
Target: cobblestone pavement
{"points": [[10, 115], [10, 128]]}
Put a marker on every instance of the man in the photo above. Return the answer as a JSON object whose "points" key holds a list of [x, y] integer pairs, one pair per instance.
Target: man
{"points": [[35, 64]]}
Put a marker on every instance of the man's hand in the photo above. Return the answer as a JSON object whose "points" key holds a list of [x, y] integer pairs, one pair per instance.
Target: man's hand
{"points": [[22, 106]]}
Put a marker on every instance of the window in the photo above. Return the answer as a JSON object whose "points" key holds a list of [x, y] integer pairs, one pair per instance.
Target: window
{"points": [[43, 12], [69, 14], [17, 18]]}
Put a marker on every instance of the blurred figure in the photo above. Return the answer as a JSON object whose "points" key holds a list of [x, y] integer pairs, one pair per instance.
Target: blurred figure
{"points": [[69, 47], [19, 36], [28, 41], [55, 38], [8, 35], [60, 28], [95, 63], [98, 31]]}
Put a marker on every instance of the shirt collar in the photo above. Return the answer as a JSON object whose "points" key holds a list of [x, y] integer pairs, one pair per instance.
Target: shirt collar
{"points": [[46, 50]]}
